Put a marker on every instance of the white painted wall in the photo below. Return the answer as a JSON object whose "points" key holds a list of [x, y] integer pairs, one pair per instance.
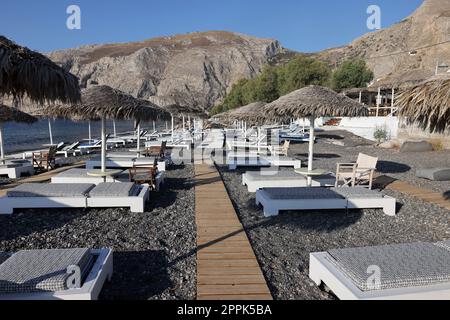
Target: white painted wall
{"points": [[365, 127]]}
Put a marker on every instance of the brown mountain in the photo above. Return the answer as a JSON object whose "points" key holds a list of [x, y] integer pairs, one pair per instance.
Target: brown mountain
{"points": [[407, 51], [197, 68], [200, 68]]}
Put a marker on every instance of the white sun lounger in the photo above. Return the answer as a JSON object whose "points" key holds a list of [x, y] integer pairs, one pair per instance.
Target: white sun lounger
{"points": [[283, 179], [93, 146], [122, 162], [78, 175], [275, 200], [177, 143], [262, 161], [48, 274], [416, 271], [71, 149], [15, 168], [75, 195]]}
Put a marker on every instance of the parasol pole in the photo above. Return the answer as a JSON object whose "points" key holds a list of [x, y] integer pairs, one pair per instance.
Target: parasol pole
{"points": [[138, 143], [172, 126], [311, 147], [103, 145], [90, 133], [2, 151], [50, 131]]}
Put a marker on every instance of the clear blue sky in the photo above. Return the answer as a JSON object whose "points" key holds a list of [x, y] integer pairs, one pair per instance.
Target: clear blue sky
{"points": [[303, 25]]}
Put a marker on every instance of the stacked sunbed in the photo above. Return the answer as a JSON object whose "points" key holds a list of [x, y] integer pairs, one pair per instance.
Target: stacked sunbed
{"points": [[75, 195], [68, 274], [414, 271]]}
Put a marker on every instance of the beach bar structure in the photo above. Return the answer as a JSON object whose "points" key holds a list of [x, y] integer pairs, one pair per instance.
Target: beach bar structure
{"points": [[380, 101]]}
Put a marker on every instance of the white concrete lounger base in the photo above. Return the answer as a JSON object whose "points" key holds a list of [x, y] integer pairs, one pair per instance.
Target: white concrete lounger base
{"points": [[272, 207], [125, 163], [101, 271], [14, 173], [262, 161], [321, 270], [135, 203], [77, 175], [268, 182], [80, 176]]}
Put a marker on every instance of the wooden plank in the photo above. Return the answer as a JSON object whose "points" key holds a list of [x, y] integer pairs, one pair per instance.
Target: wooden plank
{"points": [[226, 264], [232, 289], [260, 297], [426, 195]]}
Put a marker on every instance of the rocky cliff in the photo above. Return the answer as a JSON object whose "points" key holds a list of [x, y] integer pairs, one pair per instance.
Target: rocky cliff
{"points": [[200, 68], [196, 68], [406, 52]]}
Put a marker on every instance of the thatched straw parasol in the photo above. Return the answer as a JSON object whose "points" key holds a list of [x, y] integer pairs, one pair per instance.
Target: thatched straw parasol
{"points": [[312, 102], [427, 104], [107, 103], [251, 113], [8, 114], [27, 73]]}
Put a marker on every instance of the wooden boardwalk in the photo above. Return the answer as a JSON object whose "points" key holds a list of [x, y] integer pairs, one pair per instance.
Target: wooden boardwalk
{"points": [[420, 193], [226, 264]]}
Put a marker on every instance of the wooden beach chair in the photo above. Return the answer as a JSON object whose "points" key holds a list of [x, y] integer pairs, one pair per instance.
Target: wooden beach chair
{"points": [[45, 160], [281, 150], [414, 271], [156, 151], [359, 173], [55, 274], [150, 175]]}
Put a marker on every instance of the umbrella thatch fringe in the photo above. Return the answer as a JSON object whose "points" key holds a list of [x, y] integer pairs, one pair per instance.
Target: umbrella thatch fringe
{"points": [[106, 102], [249, 113], [427, 104], [27, 73], [12, 114], [313, 100]]}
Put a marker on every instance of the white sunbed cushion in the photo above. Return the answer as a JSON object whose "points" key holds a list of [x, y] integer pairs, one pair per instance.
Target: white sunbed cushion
{"points": [[357, 192], [74, 173], [435, 174], [404, 265], [301, 193], [273, 175], [10, 165], [50, 190], [41, 270], [112, 190]]}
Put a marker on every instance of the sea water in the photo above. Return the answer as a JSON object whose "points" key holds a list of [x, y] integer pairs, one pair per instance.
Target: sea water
{"points": [[19, 137]]}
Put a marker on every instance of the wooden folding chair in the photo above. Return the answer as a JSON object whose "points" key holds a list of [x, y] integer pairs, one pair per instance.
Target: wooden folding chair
{"points": [[45, 160], [144, 174], [157, 151], [359, 173], [282, 150]]}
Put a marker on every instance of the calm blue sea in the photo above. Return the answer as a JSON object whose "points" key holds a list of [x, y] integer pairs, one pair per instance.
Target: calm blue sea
{"points": [[20, 137]]}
